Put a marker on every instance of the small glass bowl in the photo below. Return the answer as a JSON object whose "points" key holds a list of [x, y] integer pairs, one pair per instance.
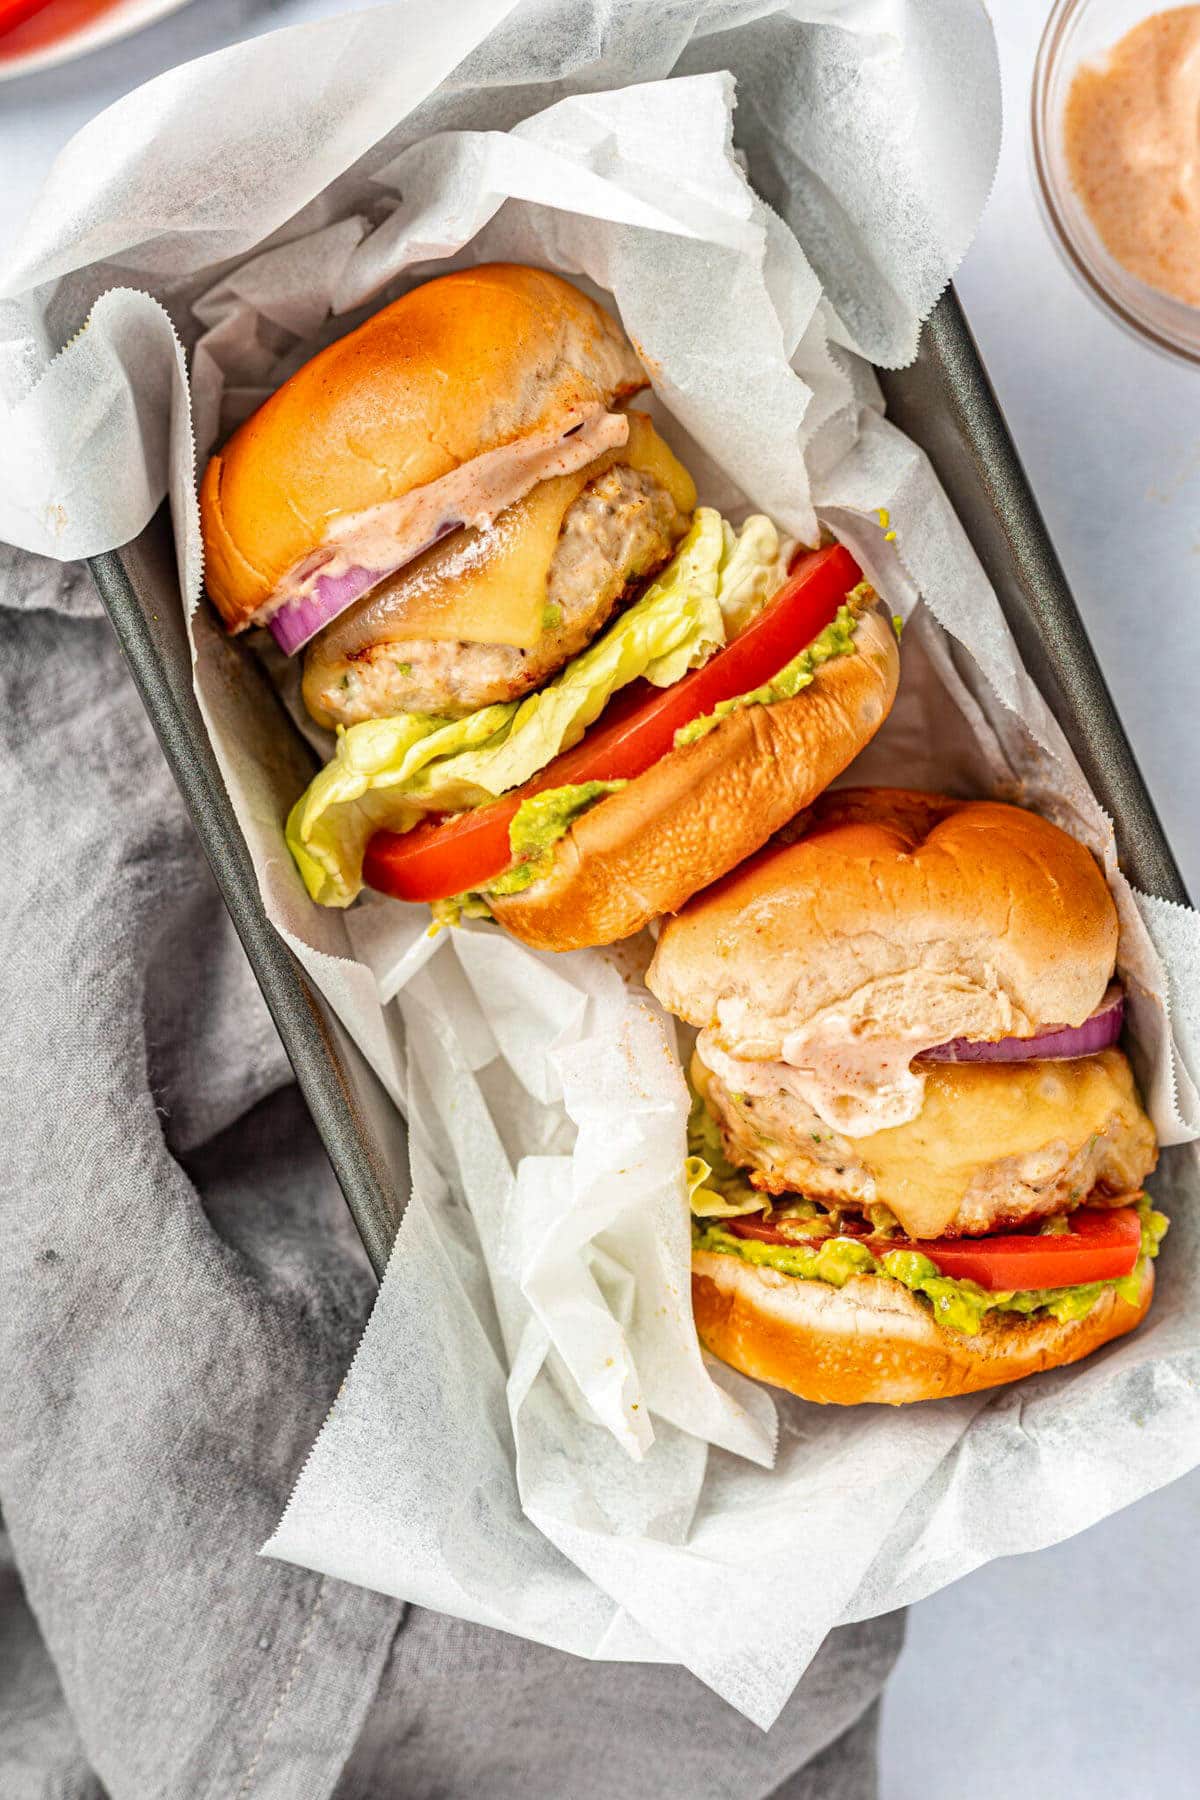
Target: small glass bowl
{"points": [[1077, 32]]}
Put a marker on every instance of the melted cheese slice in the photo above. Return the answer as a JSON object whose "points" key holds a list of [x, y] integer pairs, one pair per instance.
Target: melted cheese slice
{"points": [[489, 586], [977, 1115]]}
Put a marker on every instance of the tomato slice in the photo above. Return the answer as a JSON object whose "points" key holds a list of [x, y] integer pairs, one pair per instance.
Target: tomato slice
{"points": [[1102, 1244], [441, 857]]}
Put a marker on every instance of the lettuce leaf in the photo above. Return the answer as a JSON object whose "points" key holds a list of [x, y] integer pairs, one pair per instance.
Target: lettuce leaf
{"points": [[754, 566], [716, 1189], [391, 772]]}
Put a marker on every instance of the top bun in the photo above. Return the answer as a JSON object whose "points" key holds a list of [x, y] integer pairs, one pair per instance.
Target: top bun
{"points": [[460, 366], [908, 913]]}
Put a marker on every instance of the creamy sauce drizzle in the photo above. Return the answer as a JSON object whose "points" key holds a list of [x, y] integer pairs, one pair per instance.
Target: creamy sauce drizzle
{"points": [[851, 1063], [855, 1087], [385, 537], [1132, 140]]}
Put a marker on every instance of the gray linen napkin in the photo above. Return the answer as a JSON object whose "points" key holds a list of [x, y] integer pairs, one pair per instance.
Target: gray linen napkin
{"points": [[181, 1291]]}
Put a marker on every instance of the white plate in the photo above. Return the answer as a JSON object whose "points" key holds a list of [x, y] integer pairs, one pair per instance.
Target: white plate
{"points": [[115, 22]]}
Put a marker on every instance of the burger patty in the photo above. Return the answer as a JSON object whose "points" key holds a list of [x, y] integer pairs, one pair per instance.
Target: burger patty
{"points": [[940, 1174], [622, 527]]}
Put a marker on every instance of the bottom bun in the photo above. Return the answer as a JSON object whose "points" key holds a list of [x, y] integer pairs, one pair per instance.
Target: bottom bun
{"points": [[874, 1340], [706, 806]]}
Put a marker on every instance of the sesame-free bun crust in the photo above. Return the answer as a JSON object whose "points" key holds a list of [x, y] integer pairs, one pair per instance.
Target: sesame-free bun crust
{"points": [[464, 364], [873, 1340], [902, 913], [703, 807]]}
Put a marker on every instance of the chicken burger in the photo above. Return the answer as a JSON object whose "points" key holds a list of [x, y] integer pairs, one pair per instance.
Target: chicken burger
{"points": [[564, 694], [918, 1147]]}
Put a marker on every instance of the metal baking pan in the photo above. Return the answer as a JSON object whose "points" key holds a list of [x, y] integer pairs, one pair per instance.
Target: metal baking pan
{"points": [[945, 403]]}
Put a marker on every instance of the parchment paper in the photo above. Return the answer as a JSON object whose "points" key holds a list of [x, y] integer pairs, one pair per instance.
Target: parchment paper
{"points": [[529, 1436]]}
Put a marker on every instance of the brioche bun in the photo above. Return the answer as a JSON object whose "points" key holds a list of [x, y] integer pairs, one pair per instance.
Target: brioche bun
{"points": [[874, 1340], [460, 366], [704, 806], [899, 910]]}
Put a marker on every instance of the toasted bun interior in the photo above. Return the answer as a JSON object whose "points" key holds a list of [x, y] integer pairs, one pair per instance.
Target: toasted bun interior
{"points": [[896, 913], [873, 1340], [705, 806], [463, 365]]}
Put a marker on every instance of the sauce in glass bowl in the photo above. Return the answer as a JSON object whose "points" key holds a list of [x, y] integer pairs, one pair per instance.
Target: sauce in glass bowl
{"points": [[1115, 145], [1132, 137]]}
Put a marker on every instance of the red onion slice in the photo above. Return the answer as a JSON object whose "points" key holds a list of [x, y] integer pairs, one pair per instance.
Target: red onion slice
{"points": [[481, 488], [296, 622], [1055, 1043]]}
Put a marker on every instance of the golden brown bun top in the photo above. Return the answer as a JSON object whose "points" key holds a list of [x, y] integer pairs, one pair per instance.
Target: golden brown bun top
{"points": [[465, 364], [896, 908]]}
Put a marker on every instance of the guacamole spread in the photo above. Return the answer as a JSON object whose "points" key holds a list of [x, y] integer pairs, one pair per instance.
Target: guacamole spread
{"points": [[536, 827], [960, 1305], [837, 639]]}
